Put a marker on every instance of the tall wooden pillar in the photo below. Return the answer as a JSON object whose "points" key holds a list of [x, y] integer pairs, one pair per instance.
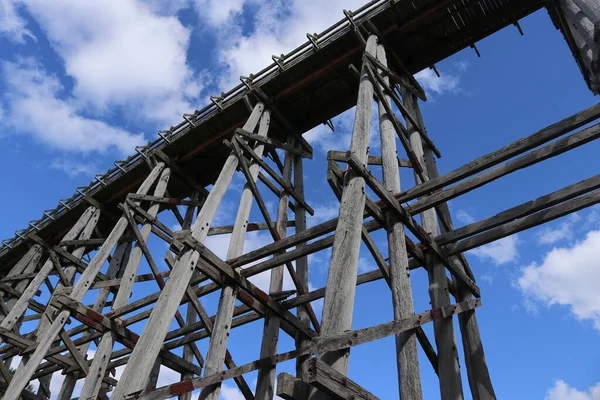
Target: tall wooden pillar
{"points": [[341, 281]]}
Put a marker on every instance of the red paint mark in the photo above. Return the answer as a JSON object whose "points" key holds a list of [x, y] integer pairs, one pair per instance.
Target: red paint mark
{"points": [[436, 314], [181, 388], [94, 315]]}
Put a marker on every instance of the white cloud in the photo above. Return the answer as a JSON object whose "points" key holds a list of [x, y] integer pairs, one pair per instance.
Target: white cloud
{"points": [[500, 252], [446, 83], [464, 217], [324, 212], [73, 168], [562, 391], [36, 108], [121, 54], [218, 12], [277, 27], [563, 232], [12, 25], [567, 276]]}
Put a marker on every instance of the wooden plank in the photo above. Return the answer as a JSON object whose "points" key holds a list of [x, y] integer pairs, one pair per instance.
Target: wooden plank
{"points": [[407, 361], [333, 383], [290, 388], [218, 342], [46, 337], [341, 279], [136, 373], [507, 152], [333, 343], [285, 185], [410, 223], [163, 200], [336, 155], [273, 143], [266, 376], [256, 293], [302, 262], [252, 226], [448, 368]]}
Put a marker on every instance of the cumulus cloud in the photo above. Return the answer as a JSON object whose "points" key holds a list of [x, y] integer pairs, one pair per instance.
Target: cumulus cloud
{"points": [[562, 391], [36, 108], [446, 83], [73, 168], [121, 54], [563, 232], [12, 25], [499, 252], [277, 27], [464, 217], [567, 276]]}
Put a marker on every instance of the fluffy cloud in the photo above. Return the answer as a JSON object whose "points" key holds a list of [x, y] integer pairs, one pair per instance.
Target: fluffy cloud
{"points": [[561, 233], [500, 252], [11, 24], [73, 168], [121, 54], [446, 83], [277, 27], [567, 276], [562, 391], [36, 108]]}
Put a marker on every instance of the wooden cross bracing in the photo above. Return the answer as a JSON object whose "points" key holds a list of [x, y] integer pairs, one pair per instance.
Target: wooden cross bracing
{"points": [[65, 327]]}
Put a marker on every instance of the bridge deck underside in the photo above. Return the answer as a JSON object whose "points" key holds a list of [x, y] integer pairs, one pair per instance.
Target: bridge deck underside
{"points": [[312, 87]]}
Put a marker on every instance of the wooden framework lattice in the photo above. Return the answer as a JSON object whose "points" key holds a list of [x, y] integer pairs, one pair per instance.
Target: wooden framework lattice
{"points": [[100, 253]]}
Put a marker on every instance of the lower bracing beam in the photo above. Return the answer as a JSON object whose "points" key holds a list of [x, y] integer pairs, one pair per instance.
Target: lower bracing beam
{"points": [[318, 345]]}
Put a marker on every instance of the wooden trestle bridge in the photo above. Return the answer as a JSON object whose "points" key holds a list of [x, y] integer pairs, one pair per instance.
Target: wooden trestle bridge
{"points": [[94, 241]]}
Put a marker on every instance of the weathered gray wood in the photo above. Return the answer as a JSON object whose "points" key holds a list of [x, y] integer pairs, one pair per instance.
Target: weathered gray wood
{"points": [[290, 388], [273, 143], [266, 376], [119, 258], [301, 263], [477, 371], [336, 155], [409, 377], [18, 308], [46, 338], [252, 226], [341, 279], [550, 150], [136, 373], [218, 342], [190, 316], [93, 383], [509, 151], [448, 366], [521, 210], [324, 344], [411, 224], [335, 384]]}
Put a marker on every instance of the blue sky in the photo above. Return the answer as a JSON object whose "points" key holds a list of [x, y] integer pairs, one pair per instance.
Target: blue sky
{"points": [[82, 83]]}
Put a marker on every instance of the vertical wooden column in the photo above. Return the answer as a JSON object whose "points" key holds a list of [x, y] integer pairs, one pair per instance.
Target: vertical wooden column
{"points": [[582, 17], [478, 374], [217, 346], [266, 375], [341, 280], [190, 315], [409, 377], [47, 337], [101, 359], [119, 258], [301, 265], [138, 368], [448, 367]]}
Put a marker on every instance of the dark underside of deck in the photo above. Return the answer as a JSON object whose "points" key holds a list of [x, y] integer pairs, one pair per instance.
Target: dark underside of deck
{"points": [[312, 88]]}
